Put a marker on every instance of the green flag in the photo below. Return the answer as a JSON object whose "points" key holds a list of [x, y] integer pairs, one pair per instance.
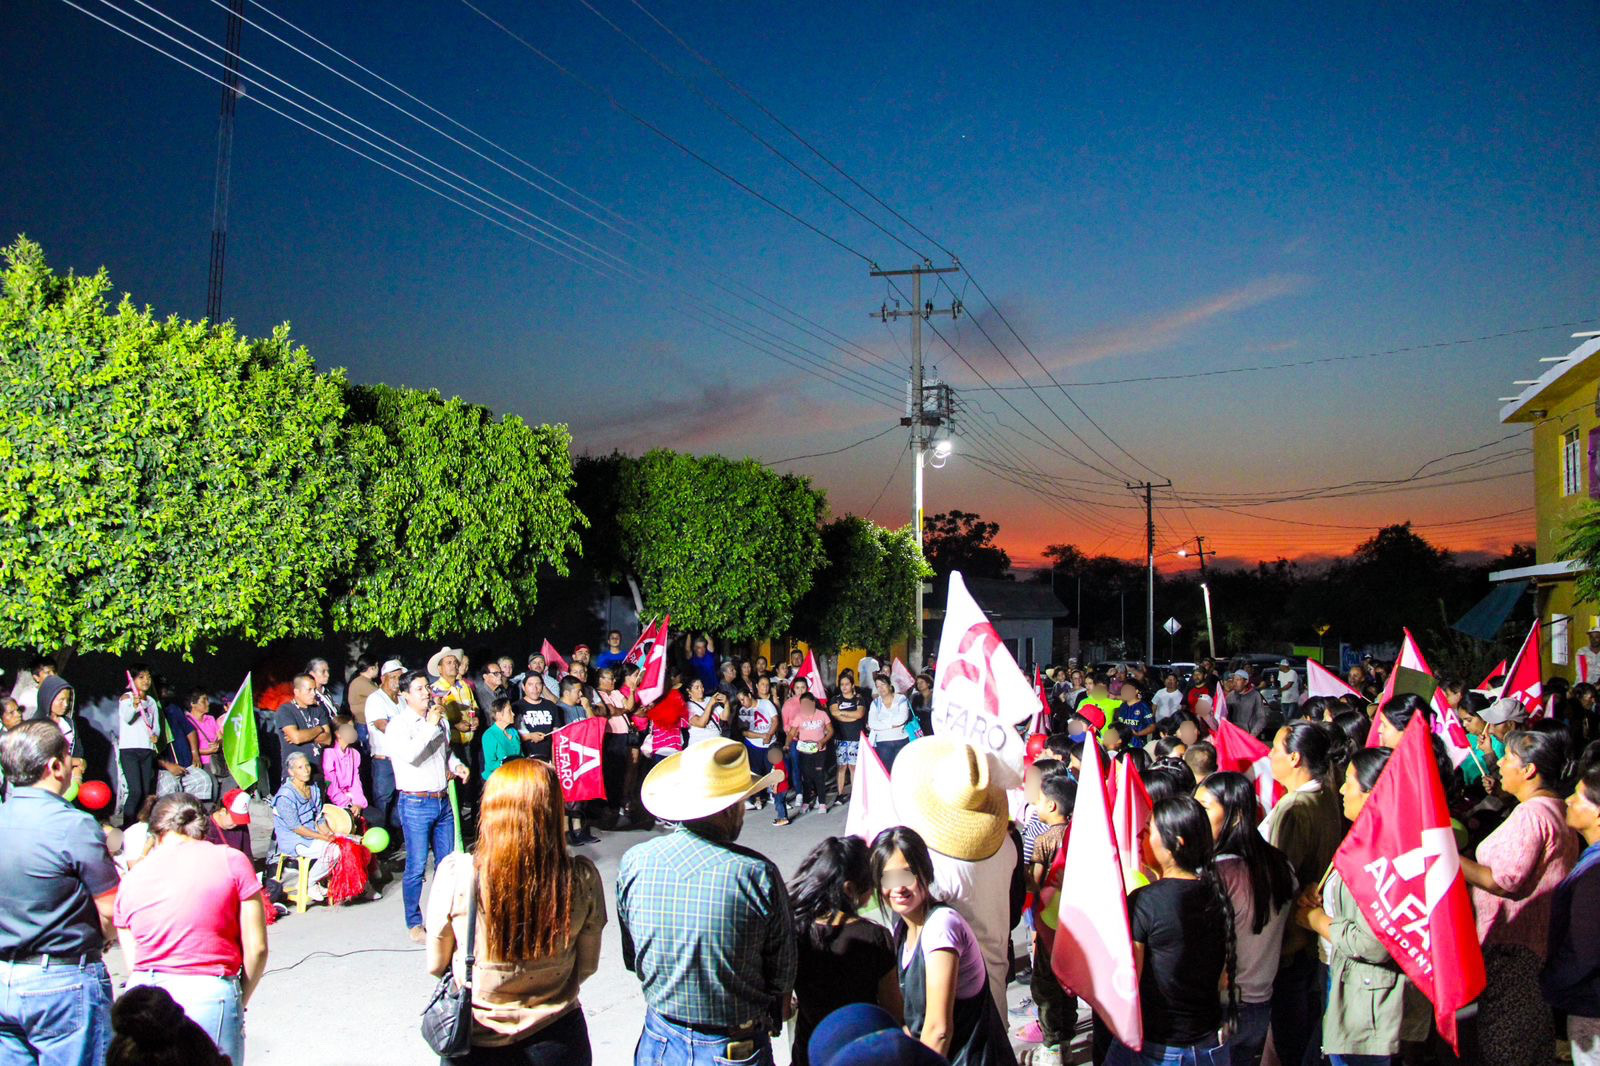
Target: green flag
{"points": [[241, 747], [1407, 680]]}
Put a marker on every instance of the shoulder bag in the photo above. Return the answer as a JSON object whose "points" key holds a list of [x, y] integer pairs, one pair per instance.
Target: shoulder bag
{"points": [[447, 1019]]}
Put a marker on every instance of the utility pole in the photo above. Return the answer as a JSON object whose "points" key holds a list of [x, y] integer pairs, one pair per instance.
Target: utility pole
{"points": [[1150, 567], [219, 204], [917, 416], [1205, 589]]}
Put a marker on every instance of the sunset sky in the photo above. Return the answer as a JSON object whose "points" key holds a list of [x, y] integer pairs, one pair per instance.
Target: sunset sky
{"points": [[1149, 196]]}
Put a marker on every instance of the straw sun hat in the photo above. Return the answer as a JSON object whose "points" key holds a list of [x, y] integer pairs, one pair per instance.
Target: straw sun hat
{"points": [[706, 777], [461, 659], [943, 791]]}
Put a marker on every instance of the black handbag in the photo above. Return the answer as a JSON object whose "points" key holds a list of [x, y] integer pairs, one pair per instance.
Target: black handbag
{"points": [[447, 1019]]}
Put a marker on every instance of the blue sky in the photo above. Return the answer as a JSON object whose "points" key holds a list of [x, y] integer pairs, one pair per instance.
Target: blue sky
{"points": [[1158, 191]]}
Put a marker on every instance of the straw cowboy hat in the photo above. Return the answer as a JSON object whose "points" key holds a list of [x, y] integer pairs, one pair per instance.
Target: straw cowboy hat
{"points": [[461, 658], [942, 791], [706, 777]]}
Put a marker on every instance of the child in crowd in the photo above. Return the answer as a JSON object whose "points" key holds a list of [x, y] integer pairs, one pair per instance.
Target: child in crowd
{"points": [[780, 787], [341, 768], [500, 740], [1058, 1011], [1033, 826]]}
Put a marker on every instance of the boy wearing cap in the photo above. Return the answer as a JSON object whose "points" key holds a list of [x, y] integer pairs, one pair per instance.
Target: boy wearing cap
{"points": [[230, 823]]}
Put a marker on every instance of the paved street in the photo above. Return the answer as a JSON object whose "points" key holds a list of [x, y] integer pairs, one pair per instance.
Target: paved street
{"points": [[346, 986]]}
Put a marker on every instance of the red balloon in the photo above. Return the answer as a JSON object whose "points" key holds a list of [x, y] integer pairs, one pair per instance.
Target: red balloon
{"points": [[94, 794], [1036, 745]]}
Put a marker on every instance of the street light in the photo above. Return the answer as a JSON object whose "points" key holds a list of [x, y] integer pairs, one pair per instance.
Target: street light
{"points": [[941, 452], [1205, 589]]}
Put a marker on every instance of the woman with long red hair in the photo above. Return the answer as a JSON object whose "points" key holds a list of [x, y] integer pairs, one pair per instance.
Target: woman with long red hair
{"points": [[539, 911]]}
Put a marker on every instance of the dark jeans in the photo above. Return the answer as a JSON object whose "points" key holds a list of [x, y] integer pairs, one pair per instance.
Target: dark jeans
{"points": [[58, 1015], [1250, 1038], [427, 823], [814, 777], [564, 1042], [665, 1043], [887, 750], [792, 769], [1297, 998], [1058, 1011], [382, 810], [615, 751], [139, 776]]}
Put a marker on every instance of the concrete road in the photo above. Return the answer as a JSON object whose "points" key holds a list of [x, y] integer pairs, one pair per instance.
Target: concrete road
{"points": [[345, 987]]}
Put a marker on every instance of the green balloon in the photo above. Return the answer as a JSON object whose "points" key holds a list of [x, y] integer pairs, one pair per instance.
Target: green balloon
{"points": [[375, 839], [71, 793]]}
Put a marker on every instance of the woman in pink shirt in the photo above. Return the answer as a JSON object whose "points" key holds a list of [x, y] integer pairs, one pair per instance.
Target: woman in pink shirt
{"points": [[810, 732], [208, 729], [341, 767], [191, 920], [1513, 884], [618, 755]]}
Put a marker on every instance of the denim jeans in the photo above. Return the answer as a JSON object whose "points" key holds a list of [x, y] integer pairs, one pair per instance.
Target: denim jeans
{"points": [[1297, 1000], [56, 1015], [382, 810], [212, 1003], [665, 1044], [428, 823], [1157, 1054], [888, 749], [792, 770], [1361, 1060], [564, 1042], [1250, 1038]]}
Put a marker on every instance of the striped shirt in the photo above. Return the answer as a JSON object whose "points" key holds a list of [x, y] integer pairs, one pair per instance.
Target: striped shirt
{"points": [[708, 929]]}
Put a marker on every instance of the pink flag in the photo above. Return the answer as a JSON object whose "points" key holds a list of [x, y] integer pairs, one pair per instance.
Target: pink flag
{"points": [[1244, 754], [1041, 721], [1320, 681], [654, 682], [813, 678], [557, 664], [1522, 676], [1219, 706], [1130, 813], [641, 647], [1499, 673], [1093, 951], [979, 693], [575, 754], [871, 798], [900, 677]]}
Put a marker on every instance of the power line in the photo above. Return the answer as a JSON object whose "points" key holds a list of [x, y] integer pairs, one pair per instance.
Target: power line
{"points": [[887, 482], [835, 451], [1312, 362]]}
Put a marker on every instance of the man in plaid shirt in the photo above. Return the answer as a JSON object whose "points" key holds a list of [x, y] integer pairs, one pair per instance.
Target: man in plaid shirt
{"points": [[706, 924]]}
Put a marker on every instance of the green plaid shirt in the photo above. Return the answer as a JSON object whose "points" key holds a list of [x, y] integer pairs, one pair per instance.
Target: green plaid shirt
{"points": [[708, 929]]}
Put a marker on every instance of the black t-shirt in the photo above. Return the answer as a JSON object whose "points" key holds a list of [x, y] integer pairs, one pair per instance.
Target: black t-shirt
{"points": [[541, 716], [843, 730], [838, 965], [1180, 924]]}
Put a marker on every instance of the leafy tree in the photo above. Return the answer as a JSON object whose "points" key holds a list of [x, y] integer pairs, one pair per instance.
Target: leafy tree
{"points": [[961, 540], [461, 509], [166, 483], [724, 546], [1582, 545], [864, 594]]}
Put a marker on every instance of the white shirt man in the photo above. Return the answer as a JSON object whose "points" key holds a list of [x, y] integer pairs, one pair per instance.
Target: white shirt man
{"points": [[1288, 688], [1589, 659]]}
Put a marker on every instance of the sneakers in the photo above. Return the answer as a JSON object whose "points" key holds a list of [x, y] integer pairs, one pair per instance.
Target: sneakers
{"points": [[318, 894], [780, 822], [1024, 1008], [417, 933], [1043, 1055]]}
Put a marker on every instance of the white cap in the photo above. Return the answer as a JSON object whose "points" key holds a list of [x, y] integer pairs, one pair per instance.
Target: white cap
{"points": [[392, 667]]}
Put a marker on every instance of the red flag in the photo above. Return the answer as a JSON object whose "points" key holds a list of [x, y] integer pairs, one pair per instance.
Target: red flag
{"points": [[553, 658], [900, 677], [871, 798], [1244, 754], [1130, 813], [1041, 721], [641, 647], [1498, 672], [575, 754], [813, 678], [1522, 677], [1320, 681], [1399, 862], [1093, 951], [654, 681]]}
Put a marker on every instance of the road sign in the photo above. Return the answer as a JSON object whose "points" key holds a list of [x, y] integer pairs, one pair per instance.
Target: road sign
{"points": [[1172, 627]]}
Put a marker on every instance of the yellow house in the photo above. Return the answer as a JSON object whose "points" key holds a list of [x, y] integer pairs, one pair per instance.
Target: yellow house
{"points": [[1563, 407]]}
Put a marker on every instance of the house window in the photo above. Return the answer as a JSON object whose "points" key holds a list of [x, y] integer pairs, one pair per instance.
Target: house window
{"points": [[1571, 464], [1594, 464]]}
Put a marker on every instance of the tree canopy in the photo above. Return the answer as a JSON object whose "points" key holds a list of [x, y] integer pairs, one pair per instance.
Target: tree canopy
{"points": [[961, 540], [865, 590], [171, 483], [167, 483], [722, 545]]}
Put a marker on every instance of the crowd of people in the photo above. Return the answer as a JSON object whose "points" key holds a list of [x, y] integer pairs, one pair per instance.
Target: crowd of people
{"points": [[896, 949]]}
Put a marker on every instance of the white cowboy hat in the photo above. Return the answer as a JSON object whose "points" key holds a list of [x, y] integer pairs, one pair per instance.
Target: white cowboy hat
{"points": [[708, 776], [337, 819], [433, 663], [942, 789]]}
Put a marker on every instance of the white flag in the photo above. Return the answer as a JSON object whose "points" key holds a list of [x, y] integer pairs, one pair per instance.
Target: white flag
{"points": [[979, 692], [871, 797]]}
